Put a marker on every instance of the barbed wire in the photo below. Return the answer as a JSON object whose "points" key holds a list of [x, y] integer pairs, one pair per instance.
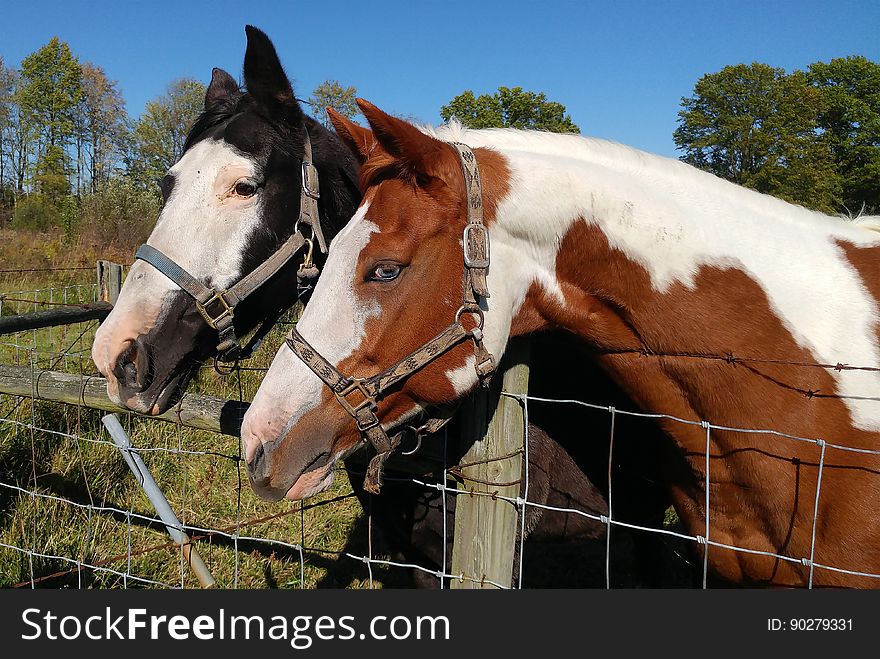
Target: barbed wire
{"points": [[733, 359], [67, 269], [47, 303]]}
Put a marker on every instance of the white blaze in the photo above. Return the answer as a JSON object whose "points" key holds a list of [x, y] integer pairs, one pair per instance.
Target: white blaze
{"points": [[201, 228], [333, 323]]}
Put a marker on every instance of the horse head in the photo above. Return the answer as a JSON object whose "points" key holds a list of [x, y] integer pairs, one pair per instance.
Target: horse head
{"points": [[230, 203], [392, 281]]}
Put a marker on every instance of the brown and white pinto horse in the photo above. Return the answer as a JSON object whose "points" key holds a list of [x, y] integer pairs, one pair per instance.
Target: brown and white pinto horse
{"points": [[643, 258]]}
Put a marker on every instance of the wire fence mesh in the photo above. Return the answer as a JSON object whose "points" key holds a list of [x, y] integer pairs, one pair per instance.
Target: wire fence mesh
{"points": [[71, 515]]}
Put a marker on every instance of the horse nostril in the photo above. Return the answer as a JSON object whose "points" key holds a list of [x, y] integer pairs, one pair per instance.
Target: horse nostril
{"points": [[133, 367], [130, 371], [258, 466]]}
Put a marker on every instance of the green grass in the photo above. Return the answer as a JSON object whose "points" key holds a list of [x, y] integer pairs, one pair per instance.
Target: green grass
{"points": [[59, 454]]}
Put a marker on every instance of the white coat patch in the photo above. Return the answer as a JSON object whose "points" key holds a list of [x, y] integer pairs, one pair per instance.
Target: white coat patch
{"points": [[333, 323]]}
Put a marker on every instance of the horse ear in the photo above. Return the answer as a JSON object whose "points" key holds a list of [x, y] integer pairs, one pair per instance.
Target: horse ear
{"points": [[222, 87], [264, 76], [417, 152], [359, 139]]}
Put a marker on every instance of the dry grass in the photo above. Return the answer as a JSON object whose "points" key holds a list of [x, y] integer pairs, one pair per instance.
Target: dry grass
{"points": [[58, 451]]}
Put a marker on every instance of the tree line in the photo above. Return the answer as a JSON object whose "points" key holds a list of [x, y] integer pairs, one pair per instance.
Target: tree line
{"points": [[810, 137], [69, 150], [71, 155]]}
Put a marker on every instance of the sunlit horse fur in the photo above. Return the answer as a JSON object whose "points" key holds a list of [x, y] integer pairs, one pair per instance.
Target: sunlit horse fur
{"points": [[639, 256]]}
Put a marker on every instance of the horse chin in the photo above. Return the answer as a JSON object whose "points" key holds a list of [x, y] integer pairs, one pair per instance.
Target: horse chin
{"points": [[161, 400], [311, 483]]}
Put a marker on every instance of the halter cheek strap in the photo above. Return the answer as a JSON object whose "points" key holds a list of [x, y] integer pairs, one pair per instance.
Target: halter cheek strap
{"points": [[359, 396], [218, 306]]}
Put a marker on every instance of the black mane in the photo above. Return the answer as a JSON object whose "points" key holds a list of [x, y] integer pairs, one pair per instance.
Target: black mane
{"points": [[219, 114]]}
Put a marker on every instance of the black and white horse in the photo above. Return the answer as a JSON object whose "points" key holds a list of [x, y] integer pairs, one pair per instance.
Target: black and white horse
{"points": [[231, 200]]}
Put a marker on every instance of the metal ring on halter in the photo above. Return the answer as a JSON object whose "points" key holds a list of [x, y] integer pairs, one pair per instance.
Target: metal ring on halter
{"points": [[224, 371], [418, 436], [477, 311], [311, 228]]}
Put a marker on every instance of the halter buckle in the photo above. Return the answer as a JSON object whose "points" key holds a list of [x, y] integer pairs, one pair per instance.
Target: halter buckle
{"points": [[310, 180], [216, 297], [479, 257], [357, 384]]}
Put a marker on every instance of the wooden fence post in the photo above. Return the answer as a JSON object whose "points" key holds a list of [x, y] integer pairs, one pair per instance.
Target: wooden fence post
{"points": [[485, 527], [109, 281]]}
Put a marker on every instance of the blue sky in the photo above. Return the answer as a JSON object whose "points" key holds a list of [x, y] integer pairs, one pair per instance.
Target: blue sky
{"points": [[619, 67]]}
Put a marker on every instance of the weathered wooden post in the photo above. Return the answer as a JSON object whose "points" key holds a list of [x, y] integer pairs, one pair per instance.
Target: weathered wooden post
{"points": [[485, 527], [109, 281]]}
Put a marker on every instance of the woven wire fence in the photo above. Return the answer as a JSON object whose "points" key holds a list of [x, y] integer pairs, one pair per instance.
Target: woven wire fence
{"points": [[44, 346], [71, 514]]}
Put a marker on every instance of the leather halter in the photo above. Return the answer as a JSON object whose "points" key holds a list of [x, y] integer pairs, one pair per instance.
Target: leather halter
{"points": [[359, 396], [217, 306]]}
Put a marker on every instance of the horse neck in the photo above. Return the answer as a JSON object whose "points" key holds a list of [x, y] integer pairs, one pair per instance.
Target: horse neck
{"points": [[658, 258]]}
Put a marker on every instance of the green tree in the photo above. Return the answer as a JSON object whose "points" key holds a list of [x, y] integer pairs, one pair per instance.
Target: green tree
{"points": [[51, 176], [509, 107], [7, 114], [331, 93], [20, 137], [757, 126], [102, 126], [850, 118], [51, 87], [160, 133]]}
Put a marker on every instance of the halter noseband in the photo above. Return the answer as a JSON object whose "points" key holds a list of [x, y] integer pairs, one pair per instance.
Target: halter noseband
{"points": [[216, 306], [359, 396]]}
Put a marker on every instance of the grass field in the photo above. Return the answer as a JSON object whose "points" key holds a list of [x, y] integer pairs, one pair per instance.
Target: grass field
{"points": [[58, 454]]}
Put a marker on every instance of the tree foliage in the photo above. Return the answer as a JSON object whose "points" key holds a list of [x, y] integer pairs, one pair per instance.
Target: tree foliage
{"points": [[7, 111], [331, 93], [51, 87], [68, 148], [810, 137], [509, 107], [160, 133], [103, 124], [850, 120]]}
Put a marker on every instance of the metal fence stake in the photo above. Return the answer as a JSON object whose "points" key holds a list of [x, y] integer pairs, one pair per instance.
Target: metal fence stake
{"points": [[157, 498]]}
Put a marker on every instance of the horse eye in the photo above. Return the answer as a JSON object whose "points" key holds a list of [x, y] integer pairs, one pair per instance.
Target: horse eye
{"points": [[245, 189], [385, 272]]}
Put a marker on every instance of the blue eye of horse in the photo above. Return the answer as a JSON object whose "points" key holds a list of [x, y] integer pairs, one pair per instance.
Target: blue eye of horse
{"points": [[385, 272]]}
